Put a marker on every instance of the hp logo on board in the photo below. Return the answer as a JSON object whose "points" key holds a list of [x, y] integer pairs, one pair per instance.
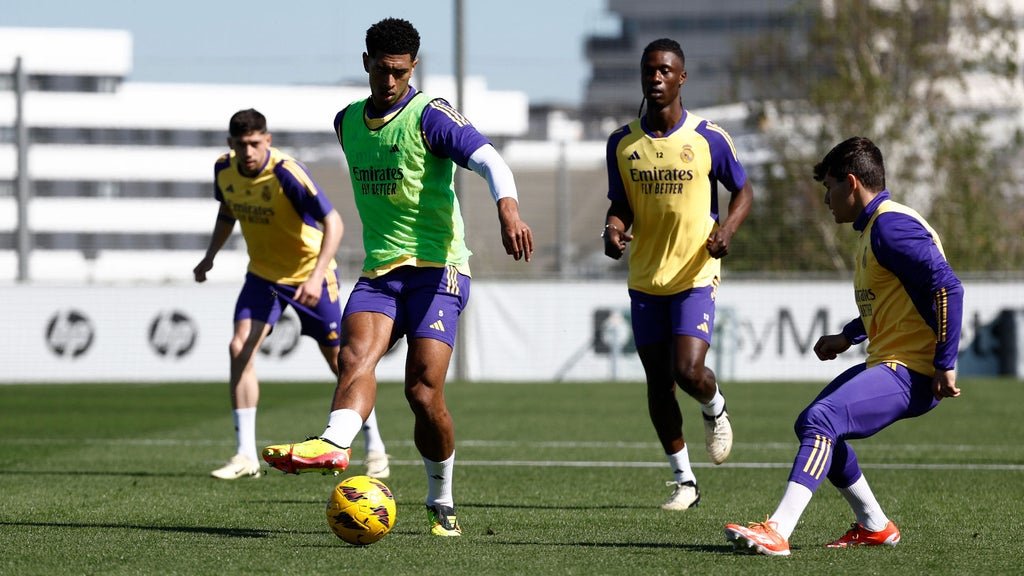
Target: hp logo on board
{"points": [[283, 339], [69, 334], [172, 334]]}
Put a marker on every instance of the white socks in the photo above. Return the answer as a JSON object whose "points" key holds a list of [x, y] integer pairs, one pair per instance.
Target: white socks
{"points": [[715, 407], [794, 501], [245, 432], [342, 427], [371, 434], [862, 500], [439, 481], [797, 496], [681, 469]]}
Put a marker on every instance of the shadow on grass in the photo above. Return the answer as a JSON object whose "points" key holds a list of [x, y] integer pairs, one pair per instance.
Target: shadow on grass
{"points": [[497, 540], [406, 505], [211, 531], [125, 474], [705, 548], [528, 506]]}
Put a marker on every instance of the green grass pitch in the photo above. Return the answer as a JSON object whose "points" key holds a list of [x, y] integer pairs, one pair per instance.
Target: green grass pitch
{"points": [[549, 479]]}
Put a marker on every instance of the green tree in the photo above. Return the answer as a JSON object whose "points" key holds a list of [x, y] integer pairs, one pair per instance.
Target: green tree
{"points": [[905, 74]]}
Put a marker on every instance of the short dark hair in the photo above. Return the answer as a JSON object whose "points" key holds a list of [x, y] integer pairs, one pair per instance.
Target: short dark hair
{"points": [[246, 121], [392, 36], [664, 45], [858, 156]]}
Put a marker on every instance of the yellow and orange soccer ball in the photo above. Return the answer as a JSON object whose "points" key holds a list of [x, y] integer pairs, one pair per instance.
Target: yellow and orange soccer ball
{"points": [[361, 510]]}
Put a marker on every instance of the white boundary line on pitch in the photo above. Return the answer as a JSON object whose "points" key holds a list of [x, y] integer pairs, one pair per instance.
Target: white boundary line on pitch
{"points": [[571, 445], [743, 465], [564, 444], [793, 446]]}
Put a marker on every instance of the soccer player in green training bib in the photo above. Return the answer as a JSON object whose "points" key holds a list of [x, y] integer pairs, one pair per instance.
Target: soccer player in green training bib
{"points": [[402, 147]]}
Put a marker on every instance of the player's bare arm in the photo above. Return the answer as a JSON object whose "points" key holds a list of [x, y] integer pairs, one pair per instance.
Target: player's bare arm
{"points": [[739, 208], [944, 384], [616, 226], [308, 293], [831, 346], [516, 235], [221, 232]]}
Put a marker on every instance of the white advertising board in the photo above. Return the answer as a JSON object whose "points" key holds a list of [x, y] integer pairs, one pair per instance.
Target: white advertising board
{"points": [[145, 333], [514, 331]]}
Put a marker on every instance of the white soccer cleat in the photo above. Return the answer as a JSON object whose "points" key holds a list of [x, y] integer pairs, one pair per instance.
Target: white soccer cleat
{"points": [[718, 436], [686, 495], [240, 466], [377, 465]]}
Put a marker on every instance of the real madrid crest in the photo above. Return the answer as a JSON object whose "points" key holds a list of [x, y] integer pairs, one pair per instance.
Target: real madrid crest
{"points": [[686, 155]]}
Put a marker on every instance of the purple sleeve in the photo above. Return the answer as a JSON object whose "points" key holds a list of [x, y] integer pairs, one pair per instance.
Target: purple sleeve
{"points": [[904, 247], [222, 163], [311, 205], [338, 118], [616, 191], [855, 332], [725, 166], [449, 134]]}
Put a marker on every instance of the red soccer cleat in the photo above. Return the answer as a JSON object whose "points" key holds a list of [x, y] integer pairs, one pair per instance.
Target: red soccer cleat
{"points": [[858, 535], [757, 538], [313, 455]]}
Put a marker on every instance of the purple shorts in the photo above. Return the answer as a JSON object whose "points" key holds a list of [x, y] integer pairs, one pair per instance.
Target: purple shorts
{"points": [[423, 302], [265, 301], [858, 403], [659, 318]]}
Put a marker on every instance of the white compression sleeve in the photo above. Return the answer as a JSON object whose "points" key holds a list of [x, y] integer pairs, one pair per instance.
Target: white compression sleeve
{"points": [[492, 167]]}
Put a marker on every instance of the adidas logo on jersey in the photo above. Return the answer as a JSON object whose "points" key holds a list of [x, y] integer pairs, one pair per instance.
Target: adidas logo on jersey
{"points": [[635, 155], [438, 326], [703, 327]]}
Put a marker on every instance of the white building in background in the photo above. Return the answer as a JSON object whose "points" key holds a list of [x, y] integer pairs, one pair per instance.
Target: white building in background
{"points": [[121, 171]]}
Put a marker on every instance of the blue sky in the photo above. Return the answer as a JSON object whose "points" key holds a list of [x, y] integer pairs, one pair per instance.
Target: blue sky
{"points": [[531, 45]]}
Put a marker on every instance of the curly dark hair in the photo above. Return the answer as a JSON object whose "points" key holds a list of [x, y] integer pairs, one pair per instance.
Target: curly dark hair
{"points": [[858, 156], [664, 45], [392, 36], [245, 121]]}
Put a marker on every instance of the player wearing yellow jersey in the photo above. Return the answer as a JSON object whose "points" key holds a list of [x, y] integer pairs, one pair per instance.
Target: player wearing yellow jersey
{"points": [[911, 308], [664, 169], [291, 232]]}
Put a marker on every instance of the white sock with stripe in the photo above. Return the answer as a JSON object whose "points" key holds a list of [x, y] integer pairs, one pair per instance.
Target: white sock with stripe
{"points": [[865, 506], [342, 427], [715, 406], [791, 507], [439, 481], [681, 469]]}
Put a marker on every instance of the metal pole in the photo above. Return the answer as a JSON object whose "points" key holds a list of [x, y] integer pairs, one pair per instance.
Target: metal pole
{"points": [[460, 56], [21, 145], [562, 211], [460, 72], [462, 336]]}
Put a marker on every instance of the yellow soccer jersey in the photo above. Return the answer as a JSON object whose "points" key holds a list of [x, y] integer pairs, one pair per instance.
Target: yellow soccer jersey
{"points": [[280, 211], [896, 330], [671, 185]]}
